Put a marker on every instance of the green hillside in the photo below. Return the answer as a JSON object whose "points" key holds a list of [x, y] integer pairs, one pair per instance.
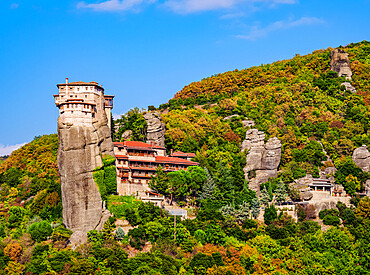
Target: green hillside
{"points": [[300, 101]]}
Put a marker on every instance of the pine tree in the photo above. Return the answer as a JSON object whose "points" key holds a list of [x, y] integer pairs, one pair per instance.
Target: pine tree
{"points": [[243, 213], [120, 233], [228, 210], [255, 207], [280, 192], [265, 197], [208, 187]]}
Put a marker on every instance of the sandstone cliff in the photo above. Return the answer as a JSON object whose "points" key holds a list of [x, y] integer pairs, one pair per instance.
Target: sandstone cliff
{"points": [[339, 62], [361, 156], [79, 153], [262, 159], [156, 128]]}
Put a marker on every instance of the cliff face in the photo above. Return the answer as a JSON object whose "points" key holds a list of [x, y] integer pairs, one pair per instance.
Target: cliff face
{"points": [[339, 62], [263, 159], [80, 150], [156, 128], [361, 156]]}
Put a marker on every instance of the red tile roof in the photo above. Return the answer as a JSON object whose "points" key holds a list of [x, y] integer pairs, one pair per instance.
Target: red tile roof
{"points": [[161, 159], [143, 168], [137, 144], [179, 153]]}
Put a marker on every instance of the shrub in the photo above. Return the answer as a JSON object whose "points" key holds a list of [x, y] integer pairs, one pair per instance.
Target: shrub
{"points": [[40, 231], [270, 214], [331, 220]]}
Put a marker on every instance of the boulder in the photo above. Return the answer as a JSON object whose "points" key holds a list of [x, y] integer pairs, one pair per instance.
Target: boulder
{"points": [[156, 128], [230, 117], [361, 156], [306, 195], [339, 62], [127, 135], [349, 87]]}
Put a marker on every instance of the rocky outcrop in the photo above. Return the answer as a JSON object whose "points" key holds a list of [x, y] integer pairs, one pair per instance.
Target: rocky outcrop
{"points": [[262, 159], [339, 62], [248, 123], [230, 117], [302, 186], [79, 153], [127, 135], [349, 87], [361, 156], [156, 128]]}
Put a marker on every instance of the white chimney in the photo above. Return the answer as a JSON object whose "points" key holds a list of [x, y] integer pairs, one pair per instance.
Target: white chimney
{"points": [[66, 80]]}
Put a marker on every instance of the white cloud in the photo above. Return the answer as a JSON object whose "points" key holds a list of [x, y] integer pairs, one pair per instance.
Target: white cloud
{"points": [[232, 15], [14, 6], [178, 6], [115, 5], [257, 32], [7, 149], [190, 6]]}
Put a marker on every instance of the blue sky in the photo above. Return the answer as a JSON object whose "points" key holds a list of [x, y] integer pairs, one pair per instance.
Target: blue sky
{"points": [[144, 51]]}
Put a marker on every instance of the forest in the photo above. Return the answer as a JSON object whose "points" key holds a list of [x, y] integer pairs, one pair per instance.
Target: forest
{"points": [[300, 101]]}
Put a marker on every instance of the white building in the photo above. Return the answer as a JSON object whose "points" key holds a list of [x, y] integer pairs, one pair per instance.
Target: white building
{"points": [[83, 103]]}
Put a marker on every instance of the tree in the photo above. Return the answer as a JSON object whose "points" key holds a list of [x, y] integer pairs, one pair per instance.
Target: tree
{"points": [[40, 231], [331, 220], [243, 212], [16, 215], [178, 184], [159, 182], [13, 251], [208, 187], [270, 214], [81, 267], [198, 177], [120, 234], [201, 262], [264, 198], [280, 192], [200, 236], [255, 207], [363, 208]]}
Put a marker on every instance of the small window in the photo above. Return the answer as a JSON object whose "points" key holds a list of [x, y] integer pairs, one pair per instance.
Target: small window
{"points": [[78, 89], [87, 88], [72, 112], [85, 96]]}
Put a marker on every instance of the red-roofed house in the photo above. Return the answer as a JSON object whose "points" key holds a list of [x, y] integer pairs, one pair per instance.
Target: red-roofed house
{"points": [[179, 154], [138, 161]]}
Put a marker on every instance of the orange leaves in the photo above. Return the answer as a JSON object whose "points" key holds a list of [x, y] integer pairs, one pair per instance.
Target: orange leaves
{"points": [[13, 251], [232, 137], [52, 199]]}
